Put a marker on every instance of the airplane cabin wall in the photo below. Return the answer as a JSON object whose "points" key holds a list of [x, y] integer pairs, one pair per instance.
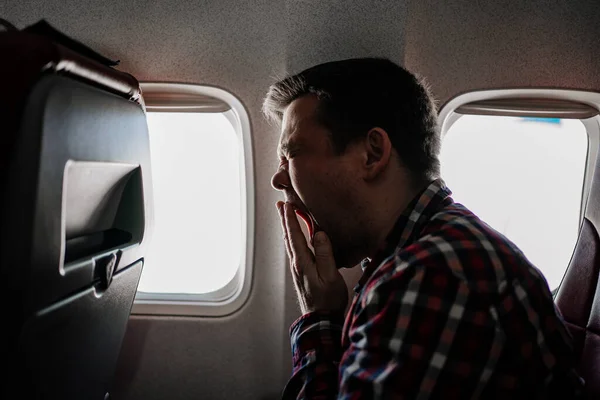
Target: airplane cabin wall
{"points": [[464, 45]]}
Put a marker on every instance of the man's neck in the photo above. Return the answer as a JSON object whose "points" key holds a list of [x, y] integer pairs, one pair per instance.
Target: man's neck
{"points": [[392, 205]]}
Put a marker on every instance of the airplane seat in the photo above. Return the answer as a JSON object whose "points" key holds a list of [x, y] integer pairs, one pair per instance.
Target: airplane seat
{"points": [[75, 214], [578, 297]]}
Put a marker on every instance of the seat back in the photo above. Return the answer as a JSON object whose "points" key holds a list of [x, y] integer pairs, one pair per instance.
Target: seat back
{"points": [[578, 297], [75, 207]]}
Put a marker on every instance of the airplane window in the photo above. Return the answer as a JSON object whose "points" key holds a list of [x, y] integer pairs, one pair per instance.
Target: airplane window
{"points": [[196, 244], [524, 177]]}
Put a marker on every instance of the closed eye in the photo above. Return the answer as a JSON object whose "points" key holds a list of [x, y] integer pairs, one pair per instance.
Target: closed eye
{"points": [[288, 150]]}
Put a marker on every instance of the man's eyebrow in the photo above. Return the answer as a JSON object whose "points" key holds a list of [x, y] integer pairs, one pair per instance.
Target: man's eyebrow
{"points": [[286, 147], [283, 149]]}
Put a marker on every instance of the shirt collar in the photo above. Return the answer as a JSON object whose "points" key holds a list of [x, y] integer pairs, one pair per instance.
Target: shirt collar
{"points": [[418, 212]]}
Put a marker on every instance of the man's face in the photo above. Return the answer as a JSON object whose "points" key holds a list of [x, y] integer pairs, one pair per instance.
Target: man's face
{"points": [[321, 184]]}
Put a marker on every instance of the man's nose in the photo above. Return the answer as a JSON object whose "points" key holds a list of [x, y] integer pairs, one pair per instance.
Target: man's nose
{"points": [[280, 180]]}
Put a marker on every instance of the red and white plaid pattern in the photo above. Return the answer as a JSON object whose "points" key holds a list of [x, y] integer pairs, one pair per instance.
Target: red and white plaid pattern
{"points": [[449, 308]]}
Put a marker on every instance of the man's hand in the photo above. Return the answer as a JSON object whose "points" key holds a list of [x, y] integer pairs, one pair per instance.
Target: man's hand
{"points": [[319, 285]]}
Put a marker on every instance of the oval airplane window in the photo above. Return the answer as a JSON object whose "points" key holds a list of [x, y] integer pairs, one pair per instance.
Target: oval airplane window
{"points": [[524, 176], [200, 254]]}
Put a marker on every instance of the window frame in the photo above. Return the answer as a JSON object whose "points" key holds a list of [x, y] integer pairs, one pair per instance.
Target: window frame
{"points": [[448, 116], [181, 97]]}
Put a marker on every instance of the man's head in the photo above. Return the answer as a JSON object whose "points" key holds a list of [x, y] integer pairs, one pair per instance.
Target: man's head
{"points": [[358, 136]]}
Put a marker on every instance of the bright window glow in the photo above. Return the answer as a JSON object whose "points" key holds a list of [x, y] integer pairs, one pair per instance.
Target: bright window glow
{"points": [[196, 243], [524, 177]]}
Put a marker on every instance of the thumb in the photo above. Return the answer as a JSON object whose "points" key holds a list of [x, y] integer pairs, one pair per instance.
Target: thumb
{"points": [[324, 255]]}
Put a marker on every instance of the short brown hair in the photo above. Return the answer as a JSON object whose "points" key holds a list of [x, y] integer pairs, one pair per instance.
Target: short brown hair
{"points": [[356, 95]]}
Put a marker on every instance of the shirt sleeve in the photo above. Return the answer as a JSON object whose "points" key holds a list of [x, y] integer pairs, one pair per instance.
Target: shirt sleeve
{"points": [[316, 353]]}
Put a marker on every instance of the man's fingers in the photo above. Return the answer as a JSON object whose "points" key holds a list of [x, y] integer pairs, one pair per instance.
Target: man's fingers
{"points": [[324, 256], [300, 252], [284, 229]]}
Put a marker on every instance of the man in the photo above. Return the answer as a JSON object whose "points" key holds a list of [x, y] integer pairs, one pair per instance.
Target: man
{"points": [[447, 307]]}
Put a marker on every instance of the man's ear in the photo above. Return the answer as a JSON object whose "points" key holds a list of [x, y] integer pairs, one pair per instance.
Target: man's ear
{"points": [[378, 151]]}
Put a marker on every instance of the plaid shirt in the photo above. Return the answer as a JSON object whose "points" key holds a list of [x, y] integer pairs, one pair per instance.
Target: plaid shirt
{"points": [[449, 308]]}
